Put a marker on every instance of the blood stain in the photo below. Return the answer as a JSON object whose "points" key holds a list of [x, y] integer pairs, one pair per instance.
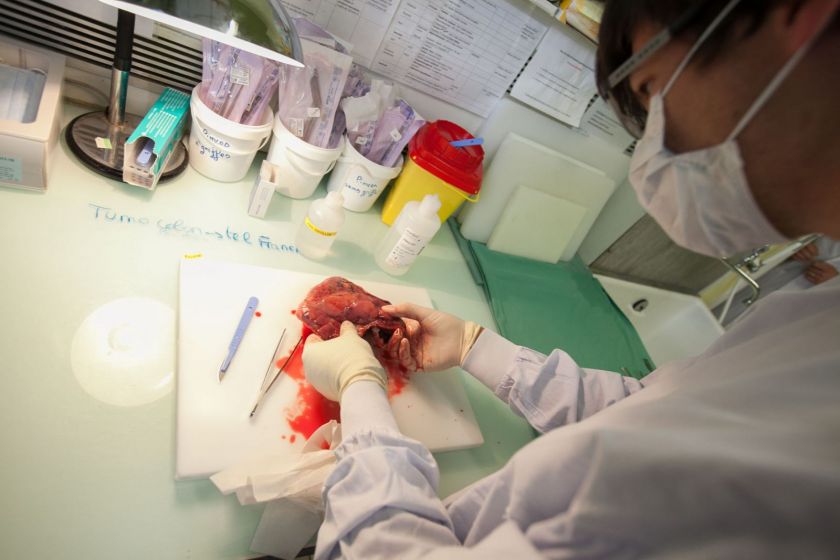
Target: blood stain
{"points": [[398, 377], [292, 438], [258, 313], [311, 410]]}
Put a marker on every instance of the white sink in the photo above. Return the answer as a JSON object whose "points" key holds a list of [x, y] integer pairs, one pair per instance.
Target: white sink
{"points": [[671, 325]]}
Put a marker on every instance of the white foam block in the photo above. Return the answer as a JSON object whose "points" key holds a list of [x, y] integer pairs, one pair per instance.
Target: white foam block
{"points": [[537, 225]]}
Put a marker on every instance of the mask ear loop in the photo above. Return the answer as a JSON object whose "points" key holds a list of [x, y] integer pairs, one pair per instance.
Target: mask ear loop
{"points": [[699, 43], [777, 80]]}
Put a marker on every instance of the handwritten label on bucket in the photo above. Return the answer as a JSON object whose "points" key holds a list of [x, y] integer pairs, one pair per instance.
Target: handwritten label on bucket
{"points": [[362, 186], [213, 153], [215, 139]]}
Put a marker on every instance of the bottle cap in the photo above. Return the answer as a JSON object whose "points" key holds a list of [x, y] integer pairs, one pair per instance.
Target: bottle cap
{"points": [[432, 150], [334, 199], [430, 205]]}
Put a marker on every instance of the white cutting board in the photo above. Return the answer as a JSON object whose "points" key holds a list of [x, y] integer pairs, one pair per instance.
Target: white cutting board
{"points": [[213, 428], [537, 225], [520, 161]]}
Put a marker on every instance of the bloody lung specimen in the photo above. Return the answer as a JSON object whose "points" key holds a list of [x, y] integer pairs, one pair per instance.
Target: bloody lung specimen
{"points": [[336, 300]]}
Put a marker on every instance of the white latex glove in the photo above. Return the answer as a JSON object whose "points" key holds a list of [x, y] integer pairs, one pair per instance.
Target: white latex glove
{"points": [[332, 365], [439, 340]]}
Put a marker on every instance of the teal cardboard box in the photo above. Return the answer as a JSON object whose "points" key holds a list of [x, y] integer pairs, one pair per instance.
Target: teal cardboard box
{"points": [[153, 142]]}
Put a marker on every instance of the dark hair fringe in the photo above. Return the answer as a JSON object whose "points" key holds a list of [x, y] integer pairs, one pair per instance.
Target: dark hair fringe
{"points": [[621, 17]]}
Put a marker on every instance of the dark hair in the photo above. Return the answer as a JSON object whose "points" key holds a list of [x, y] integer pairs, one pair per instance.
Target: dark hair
{"points": [[621, 17]]}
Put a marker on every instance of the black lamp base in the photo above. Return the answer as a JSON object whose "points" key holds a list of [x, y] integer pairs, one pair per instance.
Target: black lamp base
{"points": [[82, 134]]}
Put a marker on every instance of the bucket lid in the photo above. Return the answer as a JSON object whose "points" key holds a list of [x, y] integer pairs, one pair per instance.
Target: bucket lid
{"points": [[430, 148]]}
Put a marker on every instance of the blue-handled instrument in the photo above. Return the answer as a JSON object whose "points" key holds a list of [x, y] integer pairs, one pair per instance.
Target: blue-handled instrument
{"points": [[244, 321], [467, 142]]}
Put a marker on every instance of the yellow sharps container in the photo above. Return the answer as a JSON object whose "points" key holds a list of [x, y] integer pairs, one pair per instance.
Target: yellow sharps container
{"points": [[435, 166]]}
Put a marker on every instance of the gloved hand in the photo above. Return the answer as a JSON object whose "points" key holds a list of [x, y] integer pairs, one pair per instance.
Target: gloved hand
{"points": [[807, 253], [332, 365], [820, 272], [439, 340]]}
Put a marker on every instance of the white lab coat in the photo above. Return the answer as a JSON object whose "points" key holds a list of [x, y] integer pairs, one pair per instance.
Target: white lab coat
{"points": [[733, 454]]}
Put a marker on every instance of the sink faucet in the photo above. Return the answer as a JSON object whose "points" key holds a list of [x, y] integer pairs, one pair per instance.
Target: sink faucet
{"points": [[752, 263]]}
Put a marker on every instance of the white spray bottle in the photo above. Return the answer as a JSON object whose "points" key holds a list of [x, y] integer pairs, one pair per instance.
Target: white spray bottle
{"points": [[413, 229], [318, 230]]}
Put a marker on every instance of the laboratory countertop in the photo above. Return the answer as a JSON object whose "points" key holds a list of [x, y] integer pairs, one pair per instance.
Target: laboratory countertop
{"points": [[82, 478]]}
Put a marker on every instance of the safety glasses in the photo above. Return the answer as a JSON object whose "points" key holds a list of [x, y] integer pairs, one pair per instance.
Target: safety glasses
{"points": [[622, 100]]}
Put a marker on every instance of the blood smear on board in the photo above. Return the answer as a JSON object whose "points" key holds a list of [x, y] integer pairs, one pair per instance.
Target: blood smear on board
{"points": [[397, 377], [311, 410]]}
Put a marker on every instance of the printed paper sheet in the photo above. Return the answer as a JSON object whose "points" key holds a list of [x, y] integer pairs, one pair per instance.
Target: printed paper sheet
{"points": [[466, 52], [600, 121], [560, 79]]}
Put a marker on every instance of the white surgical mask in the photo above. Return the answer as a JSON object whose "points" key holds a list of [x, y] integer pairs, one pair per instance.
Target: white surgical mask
{"points": [[701, 198]]}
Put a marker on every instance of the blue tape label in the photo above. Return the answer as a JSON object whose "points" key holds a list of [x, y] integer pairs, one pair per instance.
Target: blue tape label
{"points": [[11, 170]]}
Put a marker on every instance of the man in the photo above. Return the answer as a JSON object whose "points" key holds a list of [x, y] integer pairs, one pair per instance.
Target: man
{"points": [[733, 454]]}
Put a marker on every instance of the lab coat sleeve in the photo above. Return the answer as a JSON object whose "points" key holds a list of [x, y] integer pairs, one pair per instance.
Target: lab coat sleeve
{"points": [[381, 499], [828, 249], [548, 391]]}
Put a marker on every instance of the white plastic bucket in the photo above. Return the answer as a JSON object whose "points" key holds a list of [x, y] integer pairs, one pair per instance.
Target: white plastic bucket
{"points": [[300, 165], [222, 149], [360, 180]]}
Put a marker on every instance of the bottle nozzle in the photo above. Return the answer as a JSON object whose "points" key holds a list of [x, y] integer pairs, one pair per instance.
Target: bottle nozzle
{"points": [[430, 205], [335, 199]]}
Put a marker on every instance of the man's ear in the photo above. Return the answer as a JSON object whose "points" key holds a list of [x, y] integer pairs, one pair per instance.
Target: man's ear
{"points": [[802, 19]]}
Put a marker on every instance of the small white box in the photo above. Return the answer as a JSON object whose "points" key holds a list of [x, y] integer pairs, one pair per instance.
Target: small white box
{"points": [[263, 190], [26, 148]]}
